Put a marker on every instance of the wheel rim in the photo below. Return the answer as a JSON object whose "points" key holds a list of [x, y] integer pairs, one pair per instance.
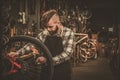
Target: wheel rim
{"points": [[27, 68]]}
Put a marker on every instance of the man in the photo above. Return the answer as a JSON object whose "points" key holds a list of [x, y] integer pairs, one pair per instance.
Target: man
{"points": [[59, 41]]}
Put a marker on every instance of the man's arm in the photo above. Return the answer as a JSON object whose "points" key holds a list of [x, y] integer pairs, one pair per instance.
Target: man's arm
{"points": [[28, 47], [68, 49], [24, 50]]}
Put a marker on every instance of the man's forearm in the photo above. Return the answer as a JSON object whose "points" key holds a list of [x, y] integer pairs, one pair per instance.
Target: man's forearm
{"points": [[25, 49], [64, 56]]}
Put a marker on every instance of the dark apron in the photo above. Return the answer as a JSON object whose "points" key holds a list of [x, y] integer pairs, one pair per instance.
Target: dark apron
{"points": [[63, 70]]}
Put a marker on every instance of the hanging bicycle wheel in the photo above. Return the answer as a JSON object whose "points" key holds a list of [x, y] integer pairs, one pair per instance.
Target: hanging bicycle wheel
{"points": [[24, 67]]}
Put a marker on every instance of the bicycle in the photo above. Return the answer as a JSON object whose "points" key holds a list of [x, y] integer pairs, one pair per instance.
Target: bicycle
{"points": [[84, 48]]}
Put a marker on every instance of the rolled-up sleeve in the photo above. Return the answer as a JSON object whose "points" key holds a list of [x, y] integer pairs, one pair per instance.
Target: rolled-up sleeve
{"points": [[27, 48]]}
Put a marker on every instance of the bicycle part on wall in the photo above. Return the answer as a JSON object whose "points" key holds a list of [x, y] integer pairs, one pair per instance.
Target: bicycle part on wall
{"points": [[24, 66], [5, 18], [4, 39], [113, 56], [86, 14]]}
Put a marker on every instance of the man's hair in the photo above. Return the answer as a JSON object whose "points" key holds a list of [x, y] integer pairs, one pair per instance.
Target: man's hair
{"points": [[46, 17]]}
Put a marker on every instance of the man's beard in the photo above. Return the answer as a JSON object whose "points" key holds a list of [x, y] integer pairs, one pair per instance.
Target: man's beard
{"points": [[54, 32]]}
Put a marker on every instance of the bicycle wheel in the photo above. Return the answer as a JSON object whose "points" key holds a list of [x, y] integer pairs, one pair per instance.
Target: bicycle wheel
{"points": [[22, 68], [82, 54], [90, 50]]}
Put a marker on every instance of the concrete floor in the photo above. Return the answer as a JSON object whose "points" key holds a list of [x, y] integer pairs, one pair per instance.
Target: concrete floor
{"points": [[94, 70]]}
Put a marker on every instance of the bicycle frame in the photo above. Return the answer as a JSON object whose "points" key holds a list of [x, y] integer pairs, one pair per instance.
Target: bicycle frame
{"points": [[85, 36]]}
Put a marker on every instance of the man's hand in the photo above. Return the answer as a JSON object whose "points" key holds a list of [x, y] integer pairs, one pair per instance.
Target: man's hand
{"points": [[41, 60]]}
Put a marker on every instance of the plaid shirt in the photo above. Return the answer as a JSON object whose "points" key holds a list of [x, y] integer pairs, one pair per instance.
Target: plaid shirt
{"points": [[67, 36]]}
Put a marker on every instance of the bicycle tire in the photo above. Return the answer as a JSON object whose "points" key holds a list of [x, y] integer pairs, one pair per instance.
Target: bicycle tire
{"points": [[39, 44]]}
